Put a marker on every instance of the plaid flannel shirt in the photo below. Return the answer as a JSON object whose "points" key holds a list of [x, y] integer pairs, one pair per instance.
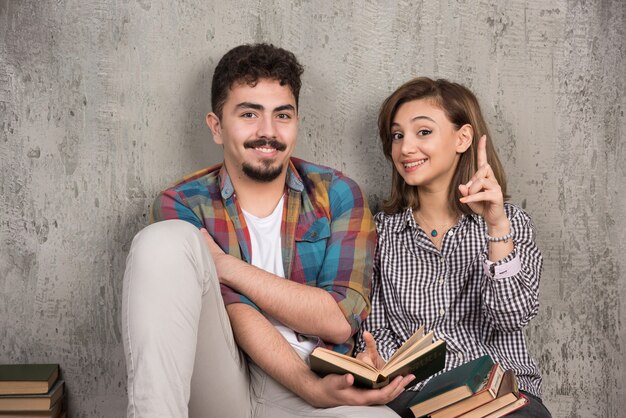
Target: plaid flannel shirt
{"points": [[328, 234]]}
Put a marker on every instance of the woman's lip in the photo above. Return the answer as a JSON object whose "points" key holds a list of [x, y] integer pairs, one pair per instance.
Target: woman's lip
{"points": [[412, 165]]}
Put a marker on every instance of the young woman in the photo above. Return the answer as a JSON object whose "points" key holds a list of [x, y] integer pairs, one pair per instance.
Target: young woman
{"points": [[451, 255]]}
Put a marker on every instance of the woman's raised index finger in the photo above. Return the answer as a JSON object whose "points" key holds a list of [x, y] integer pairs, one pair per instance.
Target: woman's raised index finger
{"points": [[482, 151]]}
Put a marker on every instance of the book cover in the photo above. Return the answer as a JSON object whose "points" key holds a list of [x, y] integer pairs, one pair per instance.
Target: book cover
{"points": [[55, 412], [507, 394], [18, 379], [418, 356], [483, 395], [31, 402], [519, 403], [452, 386]]}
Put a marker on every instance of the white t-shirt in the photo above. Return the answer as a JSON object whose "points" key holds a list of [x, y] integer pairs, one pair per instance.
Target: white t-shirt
{"points": [[267, 255]]}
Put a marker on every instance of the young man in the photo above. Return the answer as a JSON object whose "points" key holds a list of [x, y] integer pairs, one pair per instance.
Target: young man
{"points": [[264, 253]]}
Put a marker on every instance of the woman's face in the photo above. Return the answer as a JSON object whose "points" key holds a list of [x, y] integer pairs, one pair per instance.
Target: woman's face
{"points": [[425, 145]]}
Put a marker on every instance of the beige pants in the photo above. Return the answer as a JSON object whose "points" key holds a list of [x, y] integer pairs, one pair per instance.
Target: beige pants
{"points": [[181, 356]]}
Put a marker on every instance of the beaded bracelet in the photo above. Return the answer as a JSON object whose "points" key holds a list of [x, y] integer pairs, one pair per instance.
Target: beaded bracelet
{"points": [[504, 238]]}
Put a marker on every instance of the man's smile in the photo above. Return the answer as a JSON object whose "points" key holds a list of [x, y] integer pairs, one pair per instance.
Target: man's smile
{"points": [[265, 145]]}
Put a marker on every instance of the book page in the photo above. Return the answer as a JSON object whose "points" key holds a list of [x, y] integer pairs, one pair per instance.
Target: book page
{"points": [[342, 359], [398, 364], [417, 335], [419, 345]]}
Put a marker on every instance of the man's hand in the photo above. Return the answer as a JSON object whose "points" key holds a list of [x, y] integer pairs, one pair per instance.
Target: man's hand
{"points": [[216, 252], [370, 355], [213, 247], [336, 390]]}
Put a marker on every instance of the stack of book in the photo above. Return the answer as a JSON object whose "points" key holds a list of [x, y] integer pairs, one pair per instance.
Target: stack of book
{"points": [[476, 389], [31, 390]]}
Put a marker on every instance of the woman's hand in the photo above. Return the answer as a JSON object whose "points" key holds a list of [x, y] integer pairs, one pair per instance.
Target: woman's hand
{"points": [[370, 355], [483, 194]]}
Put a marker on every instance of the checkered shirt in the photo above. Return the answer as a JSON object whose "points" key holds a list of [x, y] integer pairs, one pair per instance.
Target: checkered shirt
{"points": [[451, 293], [327, 233]]}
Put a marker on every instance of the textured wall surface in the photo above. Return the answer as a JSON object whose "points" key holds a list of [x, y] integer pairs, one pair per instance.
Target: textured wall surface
{"points": [[102, 104]]}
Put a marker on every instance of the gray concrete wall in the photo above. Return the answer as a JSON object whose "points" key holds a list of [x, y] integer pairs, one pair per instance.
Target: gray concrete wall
{"points": [[102, 104]]}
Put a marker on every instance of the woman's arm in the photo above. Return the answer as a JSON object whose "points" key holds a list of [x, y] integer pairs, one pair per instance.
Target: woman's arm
{"points": [[377, 323], [510, 289]]}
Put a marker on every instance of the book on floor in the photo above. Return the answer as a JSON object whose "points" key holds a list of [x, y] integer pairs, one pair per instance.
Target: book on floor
{"points": [[419, 356], [24, 379], [455, 385], [507, 394], [30, 402], [55, 412]]}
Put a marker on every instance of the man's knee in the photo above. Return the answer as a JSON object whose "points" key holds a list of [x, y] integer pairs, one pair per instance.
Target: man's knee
{"points": [[172, 246], [166, 237]]}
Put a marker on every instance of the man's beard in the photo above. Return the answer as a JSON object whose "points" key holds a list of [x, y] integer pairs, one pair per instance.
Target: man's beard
{"points": [[267, 173], [264, 174]]}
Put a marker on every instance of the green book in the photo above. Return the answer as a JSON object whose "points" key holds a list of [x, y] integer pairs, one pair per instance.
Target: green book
{"points": [[24, 379], [452, 386]]}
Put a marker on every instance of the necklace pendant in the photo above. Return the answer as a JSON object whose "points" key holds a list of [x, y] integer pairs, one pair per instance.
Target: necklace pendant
{"points": [[433, 233]]}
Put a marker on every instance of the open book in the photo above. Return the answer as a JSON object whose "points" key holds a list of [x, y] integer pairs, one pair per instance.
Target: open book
{"points": [[419, 356]]}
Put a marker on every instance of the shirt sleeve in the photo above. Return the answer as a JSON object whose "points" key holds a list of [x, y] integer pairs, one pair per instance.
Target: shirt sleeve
{"points": [[511, 286], [347, 267], [169, 204], [377, 323]]}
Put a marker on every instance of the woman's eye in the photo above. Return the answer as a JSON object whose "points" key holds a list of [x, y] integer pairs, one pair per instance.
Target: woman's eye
{"points": [[396, 136], [424, 132]]}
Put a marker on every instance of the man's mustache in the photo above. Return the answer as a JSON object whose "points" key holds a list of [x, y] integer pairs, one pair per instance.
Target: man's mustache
{"points": [[261, 142]]}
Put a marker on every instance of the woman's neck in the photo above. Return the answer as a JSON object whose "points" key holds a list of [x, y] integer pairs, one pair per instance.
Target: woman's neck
{"points": [[434, 207]]}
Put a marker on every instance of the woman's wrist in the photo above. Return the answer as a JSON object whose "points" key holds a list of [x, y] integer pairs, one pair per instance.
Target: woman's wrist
{"points": [[500, 229]]}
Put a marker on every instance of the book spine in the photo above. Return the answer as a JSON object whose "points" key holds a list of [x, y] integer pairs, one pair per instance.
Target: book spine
{"points": [[496, 380]]}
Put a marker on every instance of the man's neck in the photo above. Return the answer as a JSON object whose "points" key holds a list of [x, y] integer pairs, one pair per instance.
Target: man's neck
{"points": [[255, 197]]}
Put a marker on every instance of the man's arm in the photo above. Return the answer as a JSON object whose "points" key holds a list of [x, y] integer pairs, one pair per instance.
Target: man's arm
{"points": [[335, 306], [269, 350], [305, 309]]}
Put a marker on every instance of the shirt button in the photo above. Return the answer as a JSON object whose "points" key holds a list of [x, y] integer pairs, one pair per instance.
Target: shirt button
{"points": [[459, 356], [442, 259], [442, 311], [450, 233], [441, 280]]}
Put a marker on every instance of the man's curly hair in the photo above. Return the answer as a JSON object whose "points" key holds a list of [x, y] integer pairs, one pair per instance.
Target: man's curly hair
{"points": [[249, 63]]}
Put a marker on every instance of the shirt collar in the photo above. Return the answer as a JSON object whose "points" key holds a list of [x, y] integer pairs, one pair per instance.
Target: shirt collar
{"points": [[293, 181], [406, 220]]}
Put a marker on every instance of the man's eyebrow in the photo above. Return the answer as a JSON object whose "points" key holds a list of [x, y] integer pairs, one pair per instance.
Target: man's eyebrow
{"points": [[284, 107], [249, 105], [416, 118], [256, 106]]}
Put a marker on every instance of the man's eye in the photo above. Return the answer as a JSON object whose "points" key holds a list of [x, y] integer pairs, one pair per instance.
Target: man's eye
{"points": [[283, 116], [396, 136], [248, 115], [424, 132]]}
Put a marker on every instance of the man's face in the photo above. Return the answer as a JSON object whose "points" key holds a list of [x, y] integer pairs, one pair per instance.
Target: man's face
{"points": [[258, 130]]}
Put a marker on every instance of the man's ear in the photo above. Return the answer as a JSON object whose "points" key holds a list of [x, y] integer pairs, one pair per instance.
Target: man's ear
{"points": [[465, 136], [214, 124]]}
